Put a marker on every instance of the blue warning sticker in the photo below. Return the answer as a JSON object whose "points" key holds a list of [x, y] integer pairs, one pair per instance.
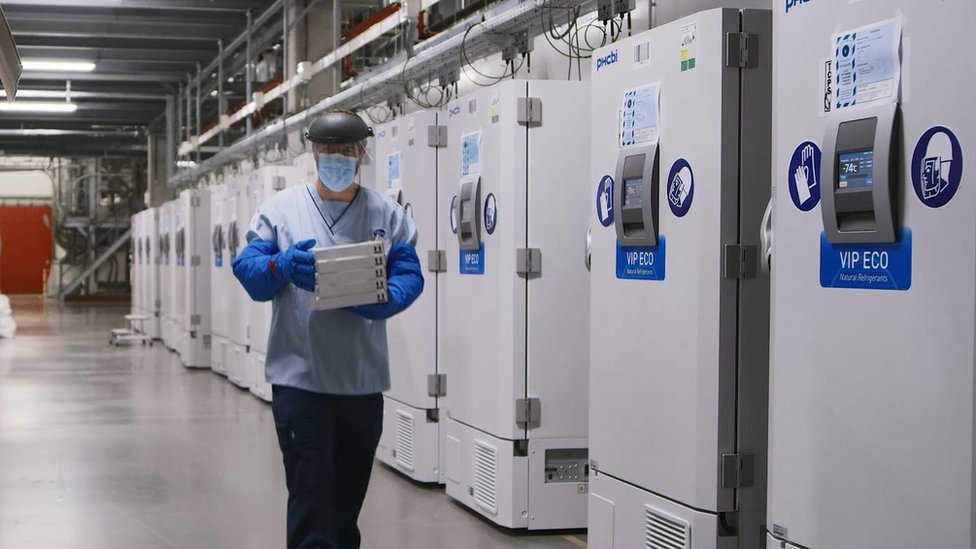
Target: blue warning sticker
{"points": [[491, 213], [804, 176], [867, 266], [642, 262], [937, 166], [681, 187], [604, 201], [472, 262]]}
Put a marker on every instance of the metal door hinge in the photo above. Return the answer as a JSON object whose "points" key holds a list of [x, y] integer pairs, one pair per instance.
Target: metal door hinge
{"points": [[737, 470], [195, 201], [740, 261], [529, 111], [528, 262], [528, 412], [437, 261], [740, 50], [195, 261], [277, 182], [195, 320], [437, 136], [437, 385]]}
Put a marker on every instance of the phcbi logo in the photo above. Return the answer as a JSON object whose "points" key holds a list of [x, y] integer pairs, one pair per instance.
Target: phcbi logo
{"points": [[790, 4], [607, 60], [456, 110]]}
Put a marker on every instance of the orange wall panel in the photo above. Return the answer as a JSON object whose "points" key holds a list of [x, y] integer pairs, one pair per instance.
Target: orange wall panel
{"points": [[25, 235]]}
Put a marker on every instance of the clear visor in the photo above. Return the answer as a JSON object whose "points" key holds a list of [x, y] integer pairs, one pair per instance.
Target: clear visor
{"points": [[357, 150]]}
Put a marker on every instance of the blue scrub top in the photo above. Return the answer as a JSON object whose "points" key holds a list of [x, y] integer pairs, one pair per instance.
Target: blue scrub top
{"points": [[332, 352]]}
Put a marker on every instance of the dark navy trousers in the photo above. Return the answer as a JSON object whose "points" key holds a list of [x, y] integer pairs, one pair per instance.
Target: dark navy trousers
{"points": [[328, 443]]}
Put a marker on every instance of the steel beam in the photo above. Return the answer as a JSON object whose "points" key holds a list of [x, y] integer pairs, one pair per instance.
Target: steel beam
{"points": [[156, 5], [131, 27], [155, 76], [112, 42], [99, 261], [68, 133]]}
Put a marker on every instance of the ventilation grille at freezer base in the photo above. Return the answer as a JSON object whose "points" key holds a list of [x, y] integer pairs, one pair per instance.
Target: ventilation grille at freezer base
{"points": [[486, 476], [404, 440], [663, 531]]}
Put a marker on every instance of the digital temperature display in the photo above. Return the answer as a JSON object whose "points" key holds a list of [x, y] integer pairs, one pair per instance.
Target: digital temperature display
{"points": [[855, 169]]}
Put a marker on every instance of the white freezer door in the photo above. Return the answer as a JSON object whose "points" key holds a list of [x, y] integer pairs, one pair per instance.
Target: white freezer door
{"points": [[483, 333], [261, 189], [559, 205], [237, 298], [872, 391], [219, 263], [407, 173], [662, 366]]}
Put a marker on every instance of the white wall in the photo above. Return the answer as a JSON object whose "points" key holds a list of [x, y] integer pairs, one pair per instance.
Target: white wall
{"points": [[669, 10], [34, 184]]}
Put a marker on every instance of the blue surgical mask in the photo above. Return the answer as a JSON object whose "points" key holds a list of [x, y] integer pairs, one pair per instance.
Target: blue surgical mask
{"points": [[337, 171]]}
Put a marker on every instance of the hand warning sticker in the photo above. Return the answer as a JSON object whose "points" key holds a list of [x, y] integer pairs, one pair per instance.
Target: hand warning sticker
{"points": [[804, 176], [604, 201]]}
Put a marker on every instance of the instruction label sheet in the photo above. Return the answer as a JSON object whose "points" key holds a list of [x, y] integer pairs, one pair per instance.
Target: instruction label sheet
{"points": [[867, 66], [639, 116]]}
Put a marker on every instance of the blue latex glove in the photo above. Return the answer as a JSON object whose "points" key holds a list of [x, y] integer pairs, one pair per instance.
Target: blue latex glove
{"points": [[263, 270], [296, 265], [404, 281]]}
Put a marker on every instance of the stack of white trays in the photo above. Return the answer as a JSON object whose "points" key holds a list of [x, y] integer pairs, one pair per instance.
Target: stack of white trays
{"points": [[350, 275]]}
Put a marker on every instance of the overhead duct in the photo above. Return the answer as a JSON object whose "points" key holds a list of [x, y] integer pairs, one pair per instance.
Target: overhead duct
{"points": [[480, 39]]}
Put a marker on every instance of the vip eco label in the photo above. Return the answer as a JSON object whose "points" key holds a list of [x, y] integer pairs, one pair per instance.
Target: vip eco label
{"points": [[867, 266]]}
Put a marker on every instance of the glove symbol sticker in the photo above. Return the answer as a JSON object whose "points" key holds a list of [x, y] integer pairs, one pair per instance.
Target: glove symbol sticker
{"points": [[937, 167], [681, 187], [804, 176], [604, 201]]}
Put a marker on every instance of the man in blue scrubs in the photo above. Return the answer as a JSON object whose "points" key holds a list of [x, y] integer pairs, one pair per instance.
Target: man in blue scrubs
{"points": [[327, 368]]}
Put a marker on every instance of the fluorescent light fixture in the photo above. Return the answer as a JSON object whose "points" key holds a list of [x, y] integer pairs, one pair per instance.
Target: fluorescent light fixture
{"points": [[38, 94], [38, 106], [186, 164], [59, 66], [213, 93]]}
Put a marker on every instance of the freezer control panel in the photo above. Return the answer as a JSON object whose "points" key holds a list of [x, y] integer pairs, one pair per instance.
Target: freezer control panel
{"points": [[567, 465], [469, 215], [860, 163], [636, 196]]}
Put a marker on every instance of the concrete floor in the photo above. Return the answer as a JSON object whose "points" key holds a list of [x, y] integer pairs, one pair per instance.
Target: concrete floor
{"points": [[107, 448]]}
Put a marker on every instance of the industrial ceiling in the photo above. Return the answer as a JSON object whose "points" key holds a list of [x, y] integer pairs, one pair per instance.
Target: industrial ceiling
{"points": [[142, 51]]}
